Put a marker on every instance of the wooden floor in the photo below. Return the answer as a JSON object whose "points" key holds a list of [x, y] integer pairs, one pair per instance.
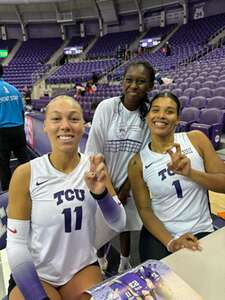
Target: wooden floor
{"points": [[217, 202]]}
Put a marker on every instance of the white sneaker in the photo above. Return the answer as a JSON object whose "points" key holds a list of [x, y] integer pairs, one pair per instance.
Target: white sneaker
{"points": [[123, 267], [103, 262]]}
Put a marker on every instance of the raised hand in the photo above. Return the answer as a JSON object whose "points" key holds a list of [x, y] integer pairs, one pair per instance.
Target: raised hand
{"points": [[180, 163], [96, 177], [187, 240]]}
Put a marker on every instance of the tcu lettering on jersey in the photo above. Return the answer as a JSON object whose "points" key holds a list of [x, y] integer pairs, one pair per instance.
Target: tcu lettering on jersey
{"points": [[69, 195]]}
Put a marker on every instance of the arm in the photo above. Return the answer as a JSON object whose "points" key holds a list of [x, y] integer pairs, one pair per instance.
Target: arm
{"points": [[18, 233], [143, 201], [151, 222], [123, 191], [97, 180], [96, 138], [214, 177]]}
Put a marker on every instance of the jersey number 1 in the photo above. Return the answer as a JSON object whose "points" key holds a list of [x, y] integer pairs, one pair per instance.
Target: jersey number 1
{"points": [[178, 188], [68, 218]]}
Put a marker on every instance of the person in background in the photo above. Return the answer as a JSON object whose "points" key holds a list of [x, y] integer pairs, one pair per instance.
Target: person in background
{"points": [[119, 131], [163, 80], [53, 200], [27, 98], [27, 95], [170, 179], [94, 78], [90, 88], [12, 134]]}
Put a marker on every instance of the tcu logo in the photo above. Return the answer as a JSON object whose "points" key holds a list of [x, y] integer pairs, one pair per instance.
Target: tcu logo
{"points": [[163, 173], [199, 13], [69, 195]]}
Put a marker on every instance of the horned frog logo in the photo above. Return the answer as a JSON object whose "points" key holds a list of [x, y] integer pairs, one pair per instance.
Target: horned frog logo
{"points": [[199, 13]]}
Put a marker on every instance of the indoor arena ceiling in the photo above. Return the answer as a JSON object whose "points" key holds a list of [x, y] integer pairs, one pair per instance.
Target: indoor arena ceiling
{"points": [[34, 11]]}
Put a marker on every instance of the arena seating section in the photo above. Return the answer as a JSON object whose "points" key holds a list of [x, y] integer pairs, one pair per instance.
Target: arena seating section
{"points": [[197, 70], [30, 60]]}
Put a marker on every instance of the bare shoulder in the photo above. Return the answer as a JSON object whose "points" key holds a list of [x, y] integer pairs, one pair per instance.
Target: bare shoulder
{"points": [[196, 134], [19, 193], [135, 162], [199, 140], [22, 171], [20, 180]]}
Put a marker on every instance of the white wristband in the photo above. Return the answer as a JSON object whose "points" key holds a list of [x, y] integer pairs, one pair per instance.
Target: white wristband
{"points": [[169, 244]]}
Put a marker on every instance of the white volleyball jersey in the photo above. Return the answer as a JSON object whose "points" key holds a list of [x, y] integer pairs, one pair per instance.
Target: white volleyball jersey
{"points": [[180, 203], [62, 221]]}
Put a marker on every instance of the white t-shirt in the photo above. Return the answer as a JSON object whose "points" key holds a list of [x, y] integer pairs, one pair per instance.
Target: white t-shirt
{"points": [[118, 134]]}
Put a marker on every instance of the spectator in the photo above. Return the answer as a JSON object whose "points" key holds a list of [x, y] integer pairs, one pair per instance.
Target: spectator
{"points": [[163, 80], [170, 179], [12, 134], [94, 78], [51, 215], [27, 98], [90, 87], [118, 131], [27, 95]]}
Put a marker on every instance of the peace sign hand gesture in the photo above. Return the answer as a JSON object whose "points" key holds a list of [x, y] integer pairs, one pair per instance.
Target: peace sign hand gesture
{"points": [[97, 176], [180, 163]]}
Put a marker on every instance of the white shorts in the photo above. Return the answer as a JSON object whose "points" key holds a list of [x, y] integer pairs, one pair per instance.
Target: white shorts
{"points": [[133, 219]]}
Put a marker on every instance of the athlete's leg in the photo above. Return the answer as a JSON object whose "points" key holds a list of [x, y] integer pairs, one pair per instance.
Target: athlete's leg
{"points": [[52, 293], [102, 259], [84, 279], [5, 172], [125, 243], [125, 252]]}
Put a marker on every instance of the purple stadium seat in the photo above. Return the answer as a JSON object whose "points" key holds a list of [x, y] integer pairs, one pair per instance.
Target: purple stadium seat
{"points": [[189, 79], [220, 91], [205, 92], [216, 102], [196, 85], [222, 77], [198, 101], [211, 123], [221, 83], [177, 91], [200, 79], [209, 84], [154, 92], [190, 92], [184, 85], [184, 101], [212, 78], [188, 116]]}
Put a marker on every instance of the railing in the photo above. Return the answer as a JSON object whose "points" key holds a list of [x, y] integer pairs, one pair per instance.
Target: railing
{"points": [[216, 33], [39, 74]]}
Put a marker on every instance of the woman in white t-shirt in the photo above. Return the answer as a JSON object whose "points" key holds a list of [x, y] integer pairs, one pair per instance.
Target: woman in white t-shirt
{"points": [[119, 131]]}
